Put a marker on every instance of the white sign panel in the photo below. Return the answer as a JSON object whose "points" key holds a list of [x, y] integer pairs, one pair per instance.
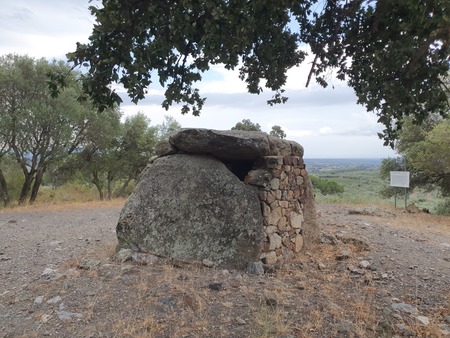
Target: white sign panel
{"points": [[400, 179]]}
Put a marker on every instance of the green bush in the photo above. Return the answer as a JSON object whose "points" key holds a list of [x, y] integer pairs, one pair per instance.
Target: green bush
{"points": [[443, 207], [327, 187]]}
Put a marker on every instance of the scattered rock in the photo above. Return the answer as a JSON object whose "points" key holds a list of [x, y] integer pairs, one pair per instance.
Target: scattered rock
{"points": [[208, 263], [328, 239], [321, 266], [424, 321], [64, 315], [361, 244], [45, 318], [50, 274], [141, 258], [364, 264], [215, 286], [270, 298], [406, 308], [54, 300], [124, 255], [255, 268], [354, 269], [88, 264], [39, 300], [240, 321]]}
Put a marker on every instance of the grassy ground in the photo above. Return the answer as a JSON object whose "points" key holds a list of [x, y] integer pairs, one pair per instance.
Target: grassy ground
{"points": [[363, 187]]}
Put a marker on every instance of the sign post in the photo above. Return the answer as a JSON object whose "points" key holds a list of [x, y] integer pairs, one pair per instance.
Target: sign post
{"points": [[399, 179]]}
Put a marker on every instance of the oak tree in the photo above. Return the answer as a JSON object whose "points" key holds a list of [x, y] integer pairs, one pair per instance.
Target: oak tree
{"points": [[247, 125], [35, 127], [277, 131], [394, 54]]}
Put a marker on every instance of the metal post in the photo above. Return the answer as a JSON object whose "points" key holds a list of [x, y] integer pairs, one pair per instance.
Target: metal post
{"points": [[406, 197], [395, 198]]}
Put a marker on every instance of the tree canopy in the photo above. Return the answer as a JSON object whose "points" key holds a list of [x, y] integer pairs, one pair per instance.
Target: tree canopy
{"points": [[61, 139], [425, 153], [277, 131], [36, 128], [394, 54], [247, 125]]}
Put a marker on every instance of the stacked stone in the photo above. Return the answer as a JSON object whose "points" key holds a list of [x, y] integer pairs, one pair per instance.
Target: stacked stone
{"points": [[282, 207]]}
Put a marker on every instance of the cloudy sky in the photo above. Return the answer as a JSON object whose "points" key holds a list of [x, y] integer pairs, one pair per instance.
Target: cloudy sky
{"points": [[327, 122]]}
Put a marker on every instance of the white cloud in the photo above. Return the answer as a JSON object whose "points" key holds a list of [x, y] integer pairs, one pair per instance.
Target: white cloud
{"points": [[325, 130], [327, 122], [48, 28]]}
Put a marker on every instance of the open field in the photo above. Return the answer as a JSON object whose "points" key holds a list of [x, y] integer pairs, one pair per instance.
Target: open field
{"points": [[362, 185]]}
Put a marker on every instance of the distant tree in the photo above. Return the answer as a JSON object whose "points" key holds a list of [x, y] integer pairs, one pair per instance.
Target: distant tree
{"points": [[394, 54], [429, 158], [99, 156], [168, 127], [247, 125], [326, 187], [392, 164], [37, 128], [4, 194], [278, 132], [137, 143]]}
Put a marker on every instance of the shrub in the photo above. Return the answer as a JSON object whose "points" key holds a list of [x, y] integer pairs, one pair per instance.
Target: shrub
{"points": [[327, 187], [443, 207]]}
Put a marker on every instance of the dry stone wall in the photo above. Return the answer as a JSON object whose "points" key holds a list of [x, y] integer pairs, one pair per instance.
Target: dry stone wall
{"points": [[282, 205]]}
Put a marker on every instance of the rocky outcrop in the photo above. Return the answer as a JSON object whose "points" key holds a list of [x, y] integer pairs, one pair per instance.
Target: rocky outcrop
{"points": [[231, 197], [192, 207]]}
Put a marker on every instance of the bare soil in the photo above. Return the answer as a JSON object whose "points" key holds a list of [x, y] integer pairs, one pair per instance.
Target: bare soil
{"points": [[377, 273]]}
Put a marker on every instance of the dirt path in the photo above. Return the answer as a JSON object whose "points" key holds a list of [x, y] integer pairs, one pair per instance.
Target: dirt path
{"points": [[376, 274], [34, 240]]}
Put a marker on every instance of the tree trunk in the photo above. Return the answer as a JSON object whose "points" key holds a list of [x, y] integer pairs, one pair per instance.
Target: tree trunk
{"points": [[29, 177], [98, 185], [124, 187], [109, 184], [36, 185], [4, 189]]}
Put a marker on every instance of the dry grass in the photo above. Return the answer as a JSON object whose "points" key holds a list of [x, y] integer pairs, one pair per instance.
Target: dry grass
{"points": [[60, 206], [421, 221], [165, 301]]}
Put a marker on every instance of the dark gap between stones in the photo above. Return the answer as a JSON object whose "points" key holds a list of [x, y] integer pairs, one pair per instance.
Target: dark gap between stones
{"points": [[240, 168]]}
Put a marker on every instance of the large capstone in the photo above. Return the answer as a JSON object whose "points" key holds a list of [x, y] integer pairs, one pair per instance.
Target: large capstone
{"points": [[233, 144], [192, 207]]}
